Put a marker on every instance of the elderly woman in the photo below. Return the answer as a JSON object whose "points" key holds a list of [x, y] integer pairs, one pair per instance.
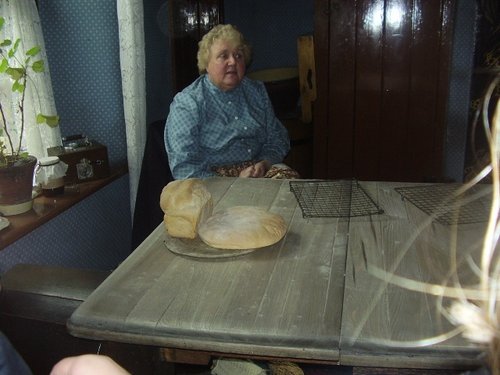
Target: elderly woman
{"points": [[223, 118]]}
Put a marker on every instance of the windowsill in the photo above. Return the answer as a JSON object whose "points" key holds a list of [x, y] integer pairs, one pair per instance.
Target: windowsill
{"points": [[46, 208]]}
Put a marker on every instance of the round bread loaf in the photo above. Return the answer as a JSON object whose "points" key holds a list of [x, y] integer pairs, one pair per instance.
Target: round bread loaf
{"points": [[242, 227], [185, 203]]}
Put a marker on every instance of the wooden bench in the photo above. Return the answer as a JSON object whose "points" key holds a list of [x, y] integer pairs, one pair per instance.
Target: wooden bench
{"points": [[35, 303], [46, 293]]}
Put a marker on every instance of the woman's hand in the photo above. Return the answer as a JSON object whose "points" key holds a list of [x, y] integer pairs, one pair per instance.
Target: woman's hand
{"points": [[257, 170]]}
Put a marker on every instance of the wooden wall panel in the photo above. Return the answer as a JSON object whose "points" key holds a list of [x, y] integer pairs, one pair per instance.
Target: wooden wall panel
{"points": [[423, 119], [341, 81], [444, 66], [424, 78], [320, 106], [395, 90], [383, 110], [367, 90]]}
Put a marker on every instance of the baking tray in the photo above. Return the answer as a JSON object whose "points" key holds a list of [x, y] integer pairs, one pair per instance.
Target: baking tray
{"points": [[447, 206], [333, 198]]}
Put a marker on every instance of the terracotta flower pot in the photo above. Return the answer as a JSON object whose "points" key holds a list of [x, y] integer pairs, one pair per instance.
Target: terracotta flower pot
{"points": [[16, 185]]}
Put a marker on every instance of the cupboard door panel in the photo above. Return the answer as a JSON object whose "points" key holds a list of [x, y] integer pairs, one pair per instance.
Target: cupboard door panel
{"points": [[333, 115], [189, 20], [426, 110], [382, 88], [183, 21], [340, 82], [320, 106], [211, 13], [368, 135], [396, 89]]}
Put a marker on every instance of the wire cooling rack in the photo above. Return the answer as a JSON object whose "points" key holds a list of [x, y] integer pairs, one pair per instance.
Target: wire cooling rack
{"points": [[333, 198], [447, 206]]}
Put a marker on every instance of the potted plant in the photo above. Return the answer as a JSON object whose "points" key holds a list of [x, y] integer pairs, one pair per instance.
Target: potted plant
{"points": [[16, 165]]}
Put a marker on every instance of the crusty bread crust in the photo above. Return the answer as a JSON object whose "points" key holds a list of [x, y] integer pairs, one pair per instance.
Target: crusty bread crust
{"points": [[186, 204], [242, 227]]}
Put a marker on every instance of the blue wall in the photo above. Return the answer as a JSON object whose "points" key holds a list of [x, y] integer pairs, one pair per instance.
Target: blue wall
{"points": [[82, 48], [83, 51], [272, 28]]}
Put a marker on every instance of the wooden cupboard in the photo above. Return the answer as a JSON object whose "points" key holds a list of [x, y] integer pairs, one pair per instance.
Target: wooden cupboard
{"points": [[189, 20], [382, 84]]}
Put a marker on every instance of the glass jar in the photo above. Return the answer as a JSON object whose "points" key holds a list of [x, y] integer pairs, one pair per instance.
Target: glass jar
{"points": [[50, 175]]}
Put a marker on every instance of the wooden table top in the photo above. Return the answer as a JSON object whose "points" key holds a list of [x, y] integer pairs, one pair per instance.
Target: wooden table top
{"points": [[385, 324], [318, 294]]}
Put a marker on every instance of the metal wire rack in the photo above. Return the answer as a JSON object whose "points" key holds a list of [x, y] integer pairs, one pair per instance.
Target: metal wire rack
{"points": [[447, 206], [333, 198]]}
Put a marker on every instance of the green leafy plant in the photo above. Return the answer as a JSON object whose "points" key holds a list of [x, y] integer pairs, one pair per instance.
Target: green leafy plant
{"points": [[19, 67]]}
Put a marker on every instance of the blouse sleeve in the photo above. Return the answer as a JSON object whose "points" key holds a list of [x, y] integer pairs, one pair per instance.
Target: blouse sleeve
{"points": [[181, 139]]}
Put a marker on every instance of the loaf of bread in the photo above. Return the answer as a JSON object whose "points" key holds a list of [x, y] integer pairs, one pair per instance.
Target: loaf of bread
{"points": [[242, 227], [186, 204]]}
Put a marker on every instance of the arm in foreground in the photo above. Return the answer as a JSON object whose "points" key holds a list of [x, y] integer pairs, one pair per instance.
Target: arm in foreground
{"points": [[88, 364]]}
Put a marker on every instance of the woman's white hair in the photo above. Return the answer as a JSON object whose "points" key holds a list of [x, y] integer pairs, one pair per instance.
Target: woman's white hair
{"points": [[227, 33]]}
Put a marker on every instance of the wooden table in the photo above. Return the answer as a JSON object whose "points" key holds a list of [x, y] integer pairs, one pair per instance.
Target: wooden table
{"points": [[386, 325], [315, 296]]}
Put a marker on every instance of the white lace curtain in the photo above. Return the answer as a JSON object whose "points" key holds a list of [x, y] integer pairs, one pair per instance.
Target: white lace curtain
{"points": [[22, 21], [132, 62]]}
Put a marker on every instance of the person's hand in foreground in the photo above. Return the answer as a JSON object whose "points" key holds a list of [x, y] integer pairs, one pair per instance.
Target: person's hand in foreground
{"points": [[257, 170], [88, 364]]}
